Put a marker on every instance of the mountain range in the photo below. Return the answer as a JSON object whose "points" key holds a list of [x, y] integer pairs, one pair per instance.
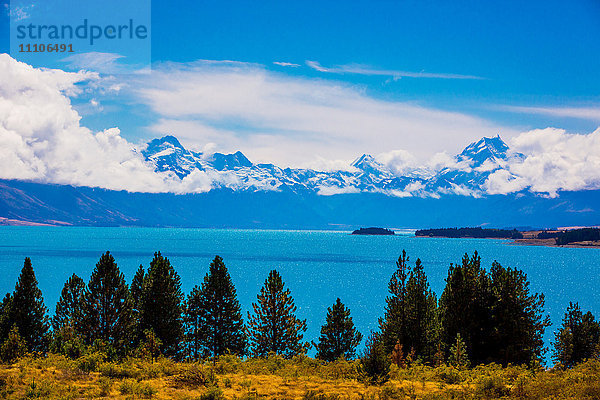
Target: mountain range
{"points": [[247, 195], [235, 171]]}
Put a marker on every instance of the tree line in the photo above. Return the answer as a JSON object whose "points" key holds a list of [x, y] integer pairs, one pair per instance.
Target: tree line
{"points": [[481, 317]]}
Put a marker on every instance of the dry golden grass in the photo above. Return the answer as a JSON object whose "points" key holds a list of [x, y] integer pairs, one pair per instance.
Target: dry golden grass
{"points": [[56, 377]]}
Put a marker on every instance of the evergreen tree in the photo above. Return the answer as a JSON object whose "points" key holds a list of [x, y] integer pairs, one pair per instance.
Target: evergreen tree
{"points": [[422, 333], [578, 338], [137, 286], [458, 353], [13, 347], [214, 315], [5, 321], [518, 318], [374, 361], [394, 324], [339, 337], [274, 326], [108, 307], [27, 310], [466, 307], [411, 312], [69, 309], [161, 305]]}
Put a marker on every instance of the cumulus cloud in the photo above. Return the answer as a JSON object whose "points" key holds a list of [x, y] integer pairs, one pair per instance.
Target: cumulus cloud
{"points": [[293, 121], [41, 138], [554, 161]]}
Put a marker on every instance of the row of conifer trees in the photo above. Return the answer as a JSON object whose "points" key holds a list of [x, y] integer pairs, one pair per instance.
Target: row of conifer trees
{"points": [[481, 316]]}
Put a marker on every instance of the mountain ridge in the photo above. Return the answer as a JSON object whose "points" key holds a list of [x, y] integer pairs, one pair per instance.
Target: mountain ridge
{"points": [[365, 174]]}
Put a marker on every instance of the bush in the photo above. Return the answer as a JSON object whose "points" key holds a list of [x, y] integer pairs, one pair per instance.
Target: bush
{"points": [[104, 384], [492, 387], [66, 342], [374, 362], [90, 362], [14, 346], [213, 393], [132, 387], [196, 375]]}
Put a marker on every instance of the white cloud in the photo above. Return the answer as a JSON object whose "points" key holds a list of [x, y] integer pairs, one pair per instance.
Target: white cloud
{"points": [[586, 113], [41, 138], [333, 190], [294, 121], [396, 74], [555, 160], [286, 64]]}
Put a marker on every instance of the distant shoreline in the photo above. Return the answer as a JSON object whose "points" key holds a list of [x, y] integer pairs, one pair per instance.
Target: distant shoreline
{"points": [[530, 241]]}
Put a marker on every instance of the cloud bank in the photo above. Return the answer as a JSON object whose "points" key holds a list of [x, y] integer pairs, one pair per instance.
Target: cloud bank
{"points": [[294, 121], [41, 138], [555, 160]]}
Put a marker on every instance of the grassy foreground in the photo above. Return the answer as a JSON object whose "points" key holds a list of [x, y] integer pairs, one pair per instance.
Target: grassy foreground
{"points": [[57, 377]]}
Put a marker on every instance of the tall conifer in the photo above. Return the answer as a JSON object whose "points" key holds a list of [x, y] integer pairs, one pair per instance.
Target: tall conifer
{"points": [[69, 309], [421, 315], [466, 308], [274, 326], [161, 307], [108, 306], [214, 315], [28, 312], [339, 337]]}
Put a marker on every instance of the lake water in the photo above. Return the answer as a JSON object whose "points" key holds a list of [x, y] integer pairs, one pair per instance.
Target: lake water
{"points": [[317, 266]]}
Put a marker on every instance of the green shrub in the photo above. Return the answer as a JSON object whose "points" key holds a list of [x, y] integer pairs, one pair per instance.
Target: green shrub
{"points": [[14, 346], [213, 393], [133, 387], [374, 362], [491, 387], [196, 375], [104, 384], [90, 362]]}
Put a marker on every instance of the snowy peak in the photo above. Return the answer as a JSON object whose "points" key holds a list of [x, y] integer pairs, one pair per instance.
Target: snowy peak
{"points": [[485, 149], [236, 160], [369, 165], [163, 143]]}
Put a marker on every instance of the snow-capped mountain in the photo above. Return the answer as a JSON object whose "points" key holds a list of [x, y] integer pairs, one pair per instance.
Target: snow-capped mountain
{"points": [[472, 167], [467, 175]]}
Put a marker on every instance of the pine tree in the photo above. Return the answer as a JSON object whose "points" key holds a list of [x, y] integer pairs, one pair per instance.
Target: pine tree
{"points": [[137, 285], [339, 337], [274, 326], [161, 305], [458, 353], [374, 363], [422, 333], [214, 315], [518, 318], [13, 347], [578, 338], [466, 307], [136, 288], [27, 310], [108, 307], [5, 321], [394, 324], [69, 309]]}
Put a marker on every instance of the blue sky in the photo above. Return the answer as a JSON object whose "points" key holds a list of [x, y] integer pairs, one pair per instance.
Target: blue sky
{"points": [[512, 65]]}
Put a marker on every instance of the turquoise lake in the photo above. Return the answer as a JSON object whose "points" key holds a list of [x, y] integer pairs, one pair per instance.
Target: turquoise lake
{"points": [[318, 266]]}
